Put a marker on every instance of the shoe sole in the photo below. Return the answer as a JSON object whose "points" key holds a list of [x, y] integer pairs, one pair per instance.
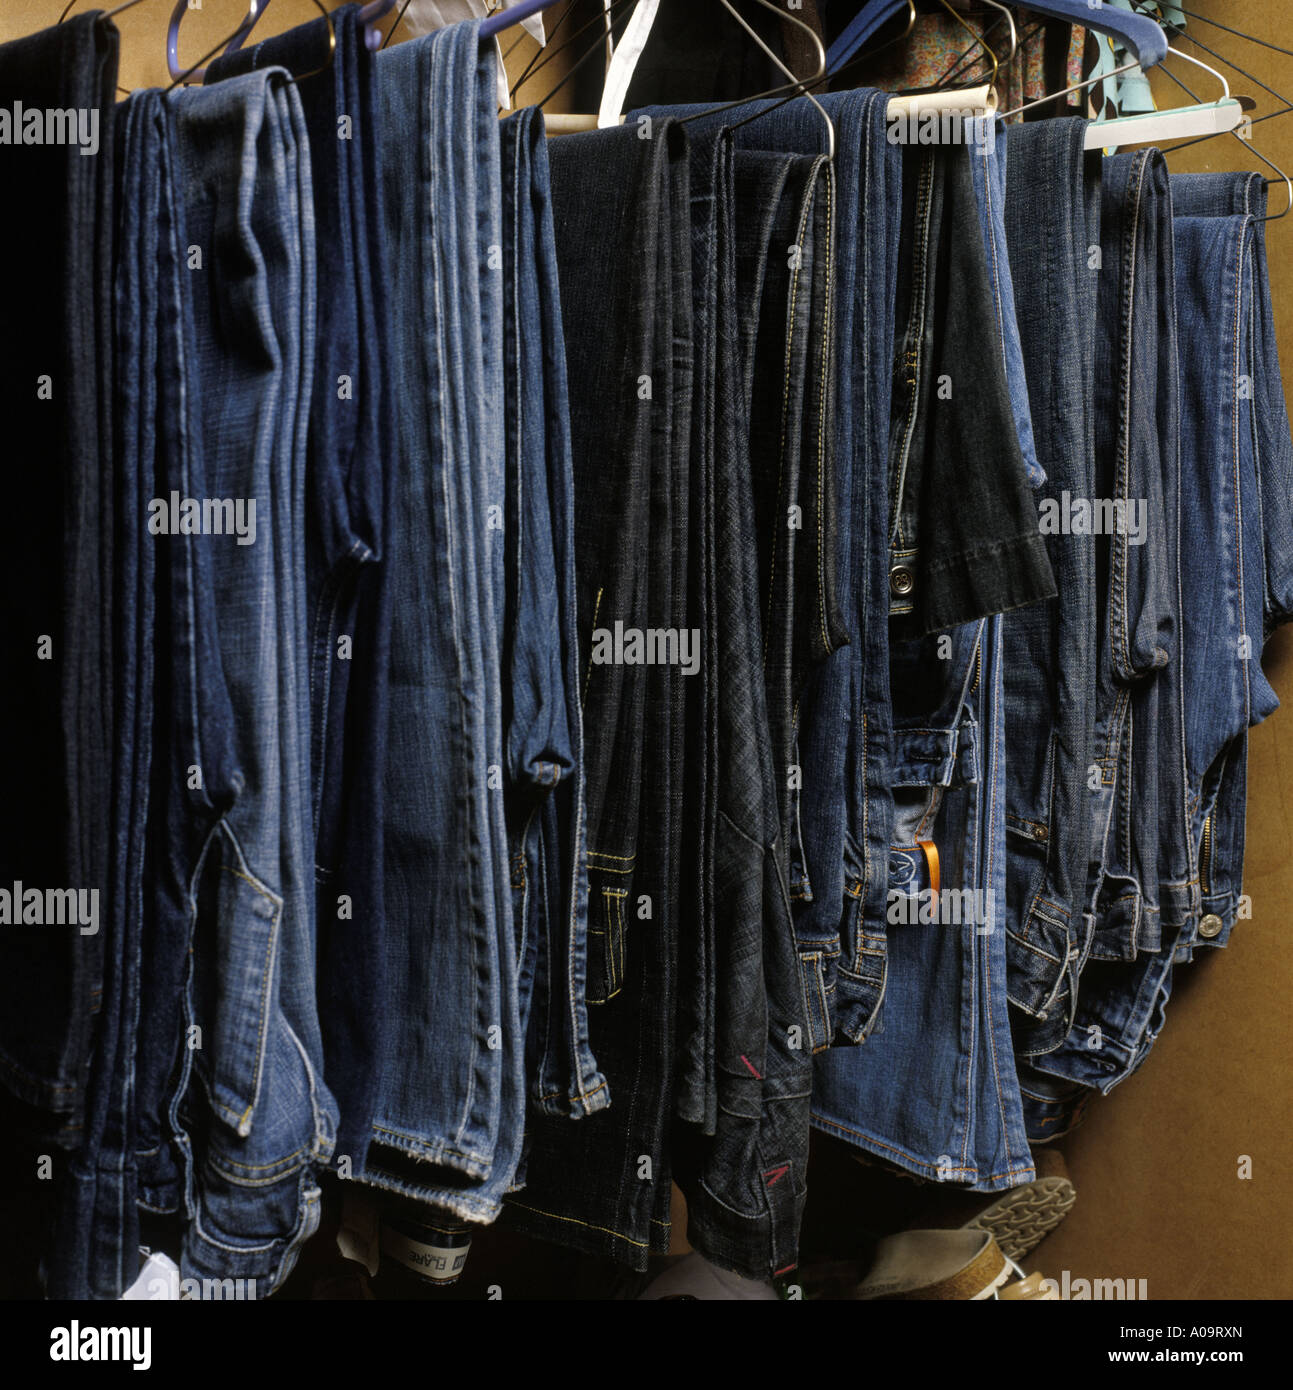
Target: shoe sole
{"points": [[1022, 1218]]}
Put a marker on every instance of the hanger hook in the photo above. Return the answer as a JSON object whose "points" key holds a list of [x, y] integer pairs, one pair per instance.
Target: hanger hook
{"points": [[979, 40], [129, 5], [1014, 33], [1198, 63], [796, 84], [257, 9], [245, 26]]}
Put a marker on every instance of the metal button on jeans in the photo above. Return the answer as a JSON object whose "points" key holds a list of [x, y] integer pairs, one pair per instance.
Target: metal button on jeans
{"points": [[901, 581], [1211, 926]]}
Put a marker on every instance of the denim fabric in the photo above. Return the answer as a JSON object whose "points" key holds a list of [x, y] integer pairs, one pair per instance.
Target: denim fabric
{"points": [[1052, 225], [1140, 796], [745, 1185], [838, 887], [444, 1131], [988, 170], [1235, 469], [249, 1116], [1224, 601], [1140, 878], [95, 1251], [347, 593], [542, 715], [619, 201], [934, 1089], [963, 538], [56, 623]]}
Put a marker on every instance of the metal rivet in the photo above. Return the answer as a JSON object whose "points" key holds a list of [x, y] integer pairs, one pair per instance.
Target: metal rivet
{"points": [[1040, 833], [901, 580]]}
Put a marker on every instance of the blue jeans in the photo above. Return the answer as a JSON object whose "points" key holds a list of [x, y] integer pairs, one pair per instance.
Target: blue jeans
{"points": [[250, 1119], [1234, 584], [1050, 649], [451, 1076], [933, 1088], [347, 526]]}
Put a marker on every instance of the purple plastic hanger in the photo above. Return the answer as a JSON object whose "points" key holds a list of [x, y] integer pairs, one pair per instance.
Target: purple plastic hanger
{"points": [[504, 19], [369, 15]]}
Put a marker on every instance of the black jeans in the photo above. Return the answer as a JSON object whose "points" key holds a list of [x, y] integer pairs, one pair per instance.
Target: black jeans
{"points": [[55, 616], [619, 214]]}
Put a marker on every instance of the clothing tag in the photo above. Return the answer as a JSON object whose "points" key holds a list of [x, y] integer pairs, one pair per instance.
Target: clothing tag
{"points": [[158, 1280], [624, 60], [424, 16], [931, 860]]}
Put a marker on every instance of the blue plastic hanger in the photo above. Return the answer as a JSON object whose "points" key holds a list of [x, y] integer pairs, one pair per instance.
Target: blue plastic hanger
{"points": [[1139, 34], [860, 29]]}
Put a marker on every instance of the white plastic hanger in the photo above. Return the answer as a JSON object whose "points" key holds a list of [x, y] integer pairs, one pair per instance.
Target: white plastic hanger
{"points": [[1178, 123]]}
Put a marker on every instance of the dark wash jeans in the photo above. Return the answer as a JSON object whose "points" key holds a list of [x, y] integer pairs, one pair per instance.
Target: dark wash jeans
{"points": [[95, 1250], [619, 203], [1052, 222], [745, 1185], [56, 617], [963, 537], [347, 523]]}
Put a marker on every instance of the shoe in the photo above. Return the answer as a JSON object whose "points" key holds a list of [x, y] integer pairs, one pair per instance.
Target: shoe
{"points": [[1023, 1217], [959, 1265]]}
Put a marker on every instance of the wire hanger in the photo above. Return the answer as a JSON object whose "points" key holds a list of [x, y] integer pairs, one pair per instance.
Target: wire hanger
{"points": [[234, 42], [107, 14], [1247, 144], [795, 84]]}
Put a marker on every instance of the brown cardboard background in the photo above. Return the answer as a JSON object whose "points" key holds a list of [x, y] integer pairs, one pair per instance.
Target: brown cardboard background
{"points": [[1156, 1162]]}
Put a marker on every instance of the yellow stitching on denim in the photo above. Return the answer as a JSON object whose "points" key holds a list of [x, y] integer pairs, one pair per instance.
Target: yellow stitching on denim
{"points": [[597, 608], [575, 1221]]}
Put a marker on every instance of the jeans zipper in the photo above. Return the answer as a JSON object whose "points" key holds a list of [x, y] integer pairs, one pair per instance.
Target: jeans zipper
{"points": [[1205, 856]]}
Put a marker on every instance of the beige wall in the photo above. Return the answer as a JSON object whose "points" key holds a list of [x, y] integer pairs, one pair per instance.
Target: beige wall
{"points": [[1156, 1163]]}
